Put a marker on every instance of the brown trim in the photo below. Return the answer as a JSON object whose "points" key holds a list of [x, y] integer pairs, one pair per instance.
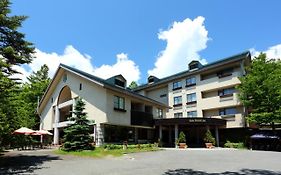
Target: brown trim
{"points": [[226, 95], [177, 105], [190, 85], [119, 109], [177, 88], [192, 102], [224, 75]]}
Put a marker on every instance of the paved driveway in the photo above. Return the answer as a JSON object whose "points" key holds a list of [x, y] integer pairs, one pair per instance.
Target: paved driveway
{"points": [[167, 162]]}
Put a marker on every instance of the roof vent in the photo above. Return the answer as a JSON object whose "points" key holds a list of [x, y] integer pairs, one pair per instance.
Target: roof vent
{"points": [[152, 79], [194, 65]]}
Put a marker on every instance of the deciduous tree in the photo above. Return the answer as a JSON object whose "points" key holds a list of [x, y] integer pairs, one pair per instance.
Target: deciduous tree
{"points": [[260, 90]]}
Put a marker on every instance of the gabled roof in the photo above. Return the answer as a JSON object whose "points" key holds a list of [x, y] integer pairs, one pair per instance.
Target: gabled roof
{"points": [[102, 82], [220, 62]]}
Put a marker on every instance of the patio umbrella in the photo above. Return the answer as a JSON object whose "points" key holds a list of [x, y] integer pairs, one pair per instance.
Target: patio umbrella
{"points": [[42, 132], [24, 130]]}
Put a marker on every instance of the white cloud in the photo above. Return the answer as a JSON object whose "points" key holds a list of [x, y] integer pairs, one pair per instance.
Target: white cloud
{"points": [[273, 52], [74, 58], [184, 42], [123, 66]]}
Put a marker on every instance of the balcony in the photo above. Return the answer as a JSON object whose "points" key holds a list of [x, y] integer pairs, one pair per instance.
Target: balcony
{"points": [[215, 82], [219, 102], [141, 118]]}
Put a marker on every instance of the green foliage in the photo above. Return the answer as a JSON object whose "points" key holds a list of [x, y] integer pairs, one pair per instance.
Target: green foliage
{"points": [[260, 90], [134, 146], [133, 85], [239, 145], [14, 50], [182, 138], [77, 135], [31, 92], [208, 138]]}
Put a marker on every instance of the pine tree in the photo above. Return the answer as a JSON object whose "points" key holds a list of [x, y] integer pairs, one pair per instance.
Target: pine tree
{"points": [[133, 85], [77, 135], [14, 50]]}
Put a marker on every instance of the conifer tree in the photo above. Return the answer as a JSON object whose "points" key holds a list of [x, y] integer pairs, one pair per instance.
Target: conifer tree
{"points": [[77, 135], [14, 50]]}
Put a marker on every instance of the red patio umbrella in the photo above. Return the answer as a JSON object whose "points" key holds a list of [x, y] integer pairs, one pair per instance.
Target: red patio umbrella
{"points": [[24, 130], [42, 132]]}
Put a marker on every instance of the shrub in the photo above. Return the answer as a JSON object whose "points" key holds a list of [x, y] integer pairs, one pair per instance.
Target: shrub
{"points": [[239, 145], [181, 138], [209, 137], [136, 146], [112, 146]]}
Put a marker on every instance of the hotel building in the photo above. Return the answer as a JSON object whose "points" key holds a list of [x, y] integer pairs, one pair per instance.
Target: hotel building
{"points": [[200, 98]]}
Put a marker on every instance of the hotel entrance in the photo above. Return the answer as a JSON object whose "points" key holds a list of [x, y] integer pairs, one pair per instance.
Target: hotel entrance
{"points": [[193, 128]]}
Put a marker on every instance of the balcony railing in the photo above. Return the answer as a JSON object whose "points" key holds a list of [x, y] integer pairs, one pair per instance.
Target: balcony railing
{"points": [[141, 118]]}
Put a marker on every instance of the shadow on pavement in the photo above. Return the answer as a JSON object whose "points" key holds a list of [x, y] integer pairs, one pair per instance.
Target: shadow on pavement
{"points": [[241, 172], [23, 164]]}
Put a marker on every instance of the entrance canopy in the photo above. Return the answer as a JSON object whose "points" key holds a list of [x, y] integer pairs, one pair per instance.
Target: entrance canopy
{"points": [[191, 121]]}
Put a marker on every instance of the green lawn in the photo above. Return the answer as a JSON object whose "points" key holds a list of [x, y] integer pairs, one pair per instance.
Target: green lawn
{"points": [[101, 152]]}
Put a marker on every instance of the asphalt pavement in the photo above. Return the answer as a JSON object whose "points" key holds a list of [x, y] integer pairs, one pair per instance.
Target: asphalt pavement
{"points": [[165, 162]]}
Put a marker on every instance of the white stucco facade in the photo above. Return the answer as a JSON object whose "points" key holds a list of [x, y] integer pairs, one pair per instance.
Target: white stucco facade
{"points": [[155, 100]]}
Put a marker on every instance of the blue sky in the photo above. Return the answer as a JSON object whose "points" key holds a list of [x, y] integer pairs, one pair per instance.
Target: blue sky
{"points": [[128, 37]]}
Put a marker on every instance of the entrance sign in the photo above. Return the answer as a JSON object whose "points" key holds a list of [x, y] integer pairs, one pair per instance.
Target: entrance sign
{"points": [[197, 120]]}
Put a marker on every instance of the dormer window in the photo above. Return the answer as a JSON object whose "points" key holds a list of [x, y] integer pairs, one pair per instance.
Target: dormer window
{"points": [[117, 80], [152, 79], [119, 83], [193, 65]]}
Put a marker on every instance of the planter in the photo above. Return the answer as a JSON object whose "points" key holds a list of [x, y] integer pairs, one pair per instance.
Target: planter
{"points": [[209, 145], [182, 145]]}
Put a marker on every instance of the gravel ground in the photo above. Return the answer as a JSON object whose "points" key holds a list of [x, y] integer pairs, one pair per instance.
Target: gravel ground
{"points": [[166, 162]]}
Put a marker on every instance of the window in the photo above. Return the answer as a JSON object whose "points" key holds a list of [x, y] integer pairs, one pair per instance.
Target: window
{"points": [[163, 95], [225, 73], [119, 103], [192, 114], [190, 82], [228, 111], [226, 92], [119, 83], [64, 78], [80, 86], [177, 85], [159, 113], [191, 98], [150, 80], [178, 115], [177, 101], [193, 66]]}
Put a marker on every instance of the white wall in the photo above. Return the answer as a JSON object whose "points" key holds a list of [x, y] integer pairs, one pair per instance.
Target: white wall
{"points": [[93, 95]]}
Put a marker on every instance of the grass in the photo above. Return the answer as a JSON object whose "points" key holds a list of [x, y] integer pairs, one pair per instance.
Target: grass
{"points": [[101, 152]]}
